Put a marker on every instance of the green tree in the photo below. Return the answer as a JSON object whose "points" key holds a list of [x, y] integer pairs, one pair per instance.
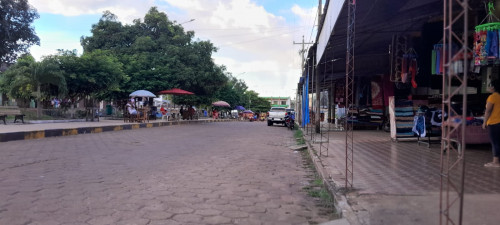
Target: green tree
{"points": [[233, 92], [28, 78], [256, 103], [16, 32], [158, 54], [97, 74]]}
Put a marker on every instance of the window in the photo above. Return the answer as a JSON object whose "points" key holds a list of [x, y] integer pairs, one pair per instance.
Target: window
{"points": [[275, 102], [283, 102]]}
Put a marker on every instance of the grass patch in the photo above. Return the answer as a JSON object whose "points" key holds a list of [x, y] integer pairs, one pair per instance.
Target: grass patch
{"points": [[316, 187], [318, 181], [314, 193], [299, 137]]}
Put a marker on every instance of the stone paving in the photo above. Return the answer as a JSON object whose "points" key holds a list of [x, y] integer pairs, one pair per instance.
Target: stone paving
{"points": [[399, 182], [211, 173], [386, 167]]}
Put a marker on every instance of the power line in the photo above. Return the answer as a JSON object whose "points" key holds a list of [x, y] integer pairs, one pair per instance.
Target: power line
{"points": [[258, 39], [246, 28], [314, 24], [303, 50], [247, 34]]}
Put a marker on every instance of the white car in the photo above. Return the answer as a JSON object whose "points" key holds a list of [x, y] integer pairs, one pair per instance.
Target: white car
{"points": [[276, 115]]}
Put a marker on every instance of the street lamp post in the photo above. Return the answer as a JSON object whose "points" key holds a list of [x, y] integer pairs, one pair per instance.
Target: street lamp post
{"points": [[191, 20]]}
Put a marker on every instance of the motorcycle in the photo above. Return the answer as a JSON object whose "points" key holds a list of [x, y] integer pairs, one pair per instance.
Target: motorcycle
{"points": [[290, 120]]}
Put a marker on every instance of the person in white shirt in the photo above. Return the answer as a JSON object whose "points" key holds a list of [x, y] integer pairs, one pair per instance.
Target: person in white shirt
{"points": [[130, 108]]}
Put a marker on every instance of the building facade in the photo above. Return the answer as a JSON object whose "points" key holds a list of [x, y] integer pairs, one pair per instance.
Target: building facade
{"points": [[279, 101]]}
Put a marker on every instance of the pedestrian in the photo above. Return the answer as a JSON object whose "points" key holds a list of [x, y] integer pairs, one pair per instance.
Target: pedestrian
{"points": [[131, 109], [181, 111], [492, 122], [163, 110], [191, 113], [215, 114]]}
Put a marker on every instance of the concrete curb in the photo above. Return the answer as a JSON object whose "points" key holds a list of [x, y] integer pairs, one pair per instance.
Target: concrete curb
{"points": [[38, 134], [341, 204]]}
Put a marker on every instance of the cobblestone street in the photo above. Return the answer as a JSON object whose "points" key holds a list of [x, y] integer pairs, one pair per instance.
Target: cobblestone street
{"points": [[217, 173]]}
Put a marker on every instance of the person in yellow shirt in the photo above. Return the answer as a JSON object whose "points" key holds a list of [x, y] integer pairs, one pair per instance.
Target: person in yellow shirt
{"points": [[492, 121]]}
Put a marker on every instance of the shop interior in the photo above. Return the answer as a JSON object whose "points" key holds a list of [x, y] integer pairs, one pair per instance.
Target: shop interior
{"points": [[399, 71]]}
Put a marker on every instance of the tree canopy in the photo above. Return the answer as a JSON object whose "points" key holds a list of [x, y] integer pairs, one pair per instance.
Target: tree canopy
{"points": [[158, 54], [154, 54], [28, 79], [233, 92], [256, 103], [97, 74], [16, 32]]}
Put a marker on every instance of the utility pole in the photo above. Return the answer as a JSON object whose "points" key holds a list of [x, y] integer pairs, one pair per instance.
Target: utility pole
{"points": [[320, 10], [303, 50]]}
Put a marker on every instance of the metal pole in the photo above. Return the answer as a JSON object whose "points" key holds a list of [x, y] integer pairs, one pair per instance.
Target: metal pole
{"points": [[453, 147], [349, 89]]}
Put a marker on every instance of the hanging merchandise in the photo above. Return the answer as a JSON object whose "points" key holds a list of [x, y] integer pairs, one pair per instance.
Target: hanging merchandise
{"points": [[486, 49], [486, 40], [413, 70], [437, 59], [409, 68]]}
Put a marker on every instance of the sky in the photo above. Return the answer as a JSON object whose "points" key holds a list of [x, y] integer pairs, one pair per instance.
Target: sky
{"points": [[255, 38]]}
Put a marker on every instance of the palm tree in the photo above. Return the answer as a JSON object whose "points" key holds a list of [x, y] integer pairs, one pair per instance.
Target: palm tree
{"points": [[26, 78]]}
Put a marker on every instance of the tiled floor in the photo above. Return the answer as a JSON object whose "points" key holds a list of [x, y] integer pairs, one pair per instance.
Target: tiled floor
{"points": [[382, 166]]}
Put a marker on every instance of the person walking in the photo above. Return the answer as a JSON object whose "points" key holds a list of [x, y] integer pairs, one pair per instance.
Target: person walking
{"points": [[492, 122]]}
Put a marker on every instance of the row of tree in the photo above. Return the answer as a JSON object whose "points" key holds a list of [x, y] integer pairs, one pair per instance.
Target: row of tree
{"points": [[153, 54]]}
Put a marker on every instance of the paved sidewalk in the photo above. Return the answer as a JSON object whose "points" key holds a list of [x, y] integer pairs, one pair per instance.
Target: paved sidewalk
{"points": [[399, 182], [19, 131], [218, 173]]}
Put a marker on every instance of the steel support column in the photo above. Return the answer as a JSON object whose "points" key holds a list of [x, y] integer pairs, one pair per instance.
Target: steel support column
{"points": [[455, 32], [325, 127], [349, 94], [313, 102]]}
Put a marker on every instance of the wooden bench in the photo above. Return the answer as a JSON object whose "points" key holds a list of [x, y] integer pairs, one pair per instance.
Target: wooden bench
{"points": [[11, 111]]}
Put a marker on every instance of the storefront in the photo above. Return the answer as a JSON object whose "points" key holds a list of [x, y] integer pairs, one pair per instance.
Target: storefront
{"points": [[404, 71], [398, 46]]}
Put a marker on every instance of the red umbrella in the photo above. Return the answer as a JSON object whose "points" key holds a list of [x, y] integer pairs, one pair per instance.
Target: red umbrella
{"points": [[175, 91]]}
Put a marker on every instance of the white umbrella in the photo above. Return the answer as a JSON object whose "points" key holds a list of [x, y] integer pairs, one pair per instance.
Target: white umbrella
{"points": [[142, 93]]}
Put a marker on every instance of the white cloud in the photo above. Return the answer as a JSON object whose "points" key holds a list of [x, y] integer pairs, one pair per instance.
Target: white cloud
{"points": [[126, 10], [250, 38], [254, 41], [193, 5]]}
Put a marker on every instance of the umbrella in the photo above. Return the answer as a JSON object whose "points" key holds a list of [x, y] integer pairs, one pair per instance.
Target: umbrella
{"points": [[142, 93], [175, 91], [247, 111], [221, 104], [239, 107]]}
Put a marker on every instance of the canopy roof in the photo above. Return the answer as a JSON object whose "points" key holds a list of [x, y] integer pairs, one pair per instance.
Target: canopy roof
{"points": [[376, 24]]}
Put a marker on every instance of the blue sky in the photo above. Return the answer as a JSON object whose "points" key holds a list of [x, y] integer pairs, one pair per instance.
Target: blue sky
{"points": [[254, 37]]}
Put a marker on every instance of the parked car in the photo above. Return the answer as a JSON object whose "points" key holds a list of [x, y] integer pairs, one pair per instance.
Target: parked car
{"points": [[276, 115]]}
